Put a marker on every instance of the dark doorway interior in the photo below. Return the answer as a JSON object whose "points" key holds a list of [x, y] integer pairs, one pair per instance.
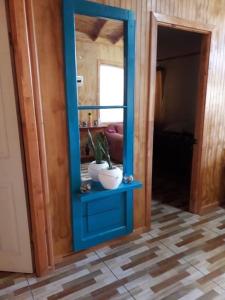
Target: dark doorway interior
{"points": [[177, 79]]}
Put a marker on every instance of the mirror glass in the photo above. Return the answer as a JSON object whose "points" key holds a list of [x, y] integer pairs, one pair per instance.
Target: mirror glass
{"points": [[100, 82], [100, 61], [113, 132]]}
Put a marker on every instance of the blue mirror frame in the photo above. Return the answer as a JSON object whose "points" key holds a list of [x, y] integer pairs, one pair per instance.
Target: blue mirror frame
{"points": [[82, 7]]}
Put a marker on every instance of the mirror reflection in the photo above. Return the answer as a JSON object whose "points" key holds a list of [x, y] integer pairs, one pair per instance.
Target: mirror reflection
{"points": [[100, 81], [100, 61], [113, 132]]}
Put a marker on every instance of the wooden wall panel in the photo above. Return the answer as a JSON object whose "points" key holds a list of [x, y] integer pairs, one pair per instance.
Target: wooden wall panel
{"points": [[32, 132], [48, 24], [208, 12]]}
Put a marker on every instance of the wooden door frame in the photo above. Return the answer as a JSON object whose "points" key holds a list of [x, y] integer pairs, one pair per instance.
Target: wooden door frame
{"points": [[156, 20], [24, 51]]}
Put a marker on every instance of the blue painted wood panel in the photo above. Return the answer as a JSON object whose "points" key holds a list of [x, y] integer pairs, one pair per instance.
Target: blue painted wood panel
{"points": [[105, 214], [103, 205], [106, 218], [91, 107], [101, 214], [106, 221], [99, 191]]}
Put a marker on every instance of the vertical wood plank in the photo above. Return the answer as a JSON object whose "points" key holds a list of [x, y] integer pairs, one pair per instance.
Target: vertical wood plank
{"points": [[47, 18], [28, 111], [150, 109], [51, 70], [41, 130]]}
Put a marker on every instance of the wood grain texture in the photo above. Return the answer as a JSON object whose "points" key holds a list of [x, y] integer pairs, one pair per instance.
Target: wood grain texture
{"points": [[41, 131], [94, 28], [48, 30], [196, 176], [150, 116], [209, 13], [28, 111], [48, 26]]}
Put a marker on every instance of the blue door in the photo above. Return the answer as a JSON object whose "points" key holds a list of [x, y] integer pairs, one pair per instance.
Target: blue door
{"points": [[100, 214]]}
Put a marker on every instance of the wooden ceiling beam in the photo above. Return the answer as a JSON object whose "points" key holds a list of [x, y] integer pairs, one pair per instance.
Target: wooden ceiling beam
{"points": [[100, 23], [115, 38]]}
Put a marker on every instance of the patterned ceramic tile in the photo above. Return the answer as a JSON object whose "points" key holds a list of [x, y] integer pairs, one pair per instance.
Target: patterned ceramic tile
{"points": [[14, 286], [181, 258]]}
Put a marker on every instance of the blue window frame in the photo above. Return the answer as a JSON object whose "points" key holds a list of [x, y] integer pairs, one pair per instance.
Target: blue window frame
{"points": [[87, 210]]}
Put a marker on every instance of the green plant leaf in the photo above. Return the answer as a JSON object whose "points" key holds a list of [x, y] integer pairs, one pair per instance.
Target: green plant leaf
{"points": [[95, 147], [100, 148]]}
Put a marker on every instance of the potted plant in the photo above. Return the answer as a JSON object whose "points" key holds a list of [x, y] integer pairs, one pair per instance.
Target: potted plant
{"points": [[110, 177], [98, 164]]}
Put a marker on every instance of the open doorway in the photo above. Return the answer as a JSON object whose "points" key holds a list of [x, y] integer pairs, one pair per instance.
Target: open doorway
{"points": [[177, 73], [179, 59]]}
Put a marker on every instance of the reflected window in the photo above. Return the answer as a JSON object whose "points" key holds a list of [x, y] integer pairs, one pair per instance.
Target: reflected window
{"points": [[111, 91]]}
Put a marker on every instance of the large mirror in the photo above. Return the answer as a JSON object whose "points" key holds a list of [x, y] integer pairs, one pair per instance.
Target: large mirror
{"points": [[100, 83], [99, 51]]}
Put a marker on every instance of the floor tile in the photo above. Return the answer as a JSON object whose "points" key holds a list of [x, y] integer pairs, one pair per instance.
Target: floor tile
{"points": [[182, 257], [79, 280], [14, 286]]}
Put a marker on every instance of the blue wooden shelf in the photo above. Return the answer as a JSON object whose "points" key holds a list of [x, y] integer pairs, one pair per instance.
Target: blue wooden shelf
{"points": [[97, 191], [90, 107]]}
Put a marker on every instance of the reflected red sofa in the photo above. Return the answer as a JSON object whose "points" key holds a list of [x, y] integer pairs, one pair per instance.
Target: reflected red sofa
{"points": [[114, 135]]}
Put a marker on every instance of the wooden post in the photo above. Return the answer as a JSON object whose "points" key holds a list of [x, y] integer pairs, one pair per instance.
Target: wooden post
{"points": [[29, 103]]}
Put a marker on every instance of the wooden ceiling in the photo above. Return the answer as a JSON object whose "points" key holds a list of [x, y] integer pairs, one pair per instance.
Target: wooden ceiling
{"points": [[96, 28]]}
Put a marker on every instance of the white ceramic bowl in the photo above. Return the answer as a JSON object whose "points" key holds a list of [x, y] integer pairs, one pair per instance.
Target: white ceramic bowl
{"points": [[110, 179], [93, 169]]}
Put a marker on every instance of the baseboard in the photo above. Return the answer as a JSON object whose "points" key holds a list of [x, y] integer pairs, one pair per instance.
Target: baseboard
{"points": [[210, 207]]}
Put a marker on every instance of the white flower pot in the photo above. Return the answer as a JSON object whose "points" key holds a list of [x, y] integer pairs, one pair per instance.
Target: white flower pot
{"points": [[93, 169], [110, 179]]}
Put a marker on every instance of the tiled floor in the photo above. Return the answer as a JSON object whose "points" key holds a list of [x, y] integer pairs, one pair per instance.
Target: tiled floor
{"points": [[182, 257], [171, 188]]}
